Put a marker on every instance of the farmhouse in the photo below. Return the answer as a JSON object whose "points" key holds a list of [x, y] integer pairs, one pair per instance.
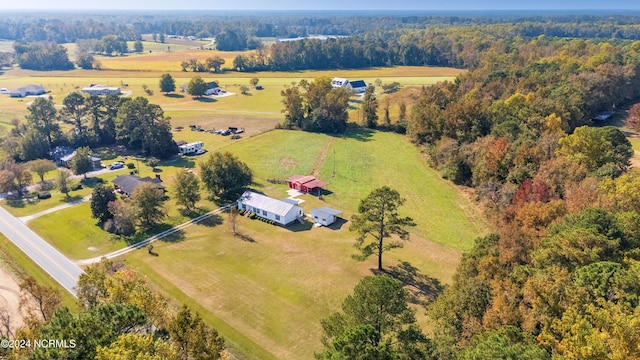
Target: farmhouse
{"points": [[324, 215], [279, 211], [97, 90], [212, 88], [190, 148], [127, 184], [306, 184], [66, 161], [358, 86], [29, 90]]}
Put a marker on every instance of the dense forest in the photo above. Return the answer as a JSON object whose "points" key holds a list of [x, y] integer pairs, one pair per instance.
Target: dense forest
{"points": [[561, 273]]}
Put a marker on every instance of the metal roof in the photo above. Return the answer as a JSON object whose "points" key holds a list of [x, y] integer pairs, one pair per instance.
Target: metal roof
{"points": [[262, 202], [315, 184], [323, 211]]}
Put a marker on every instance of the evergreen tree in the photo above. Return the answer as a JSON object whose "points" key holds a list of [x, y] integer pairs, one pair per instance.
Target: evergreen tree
{"points": [[376, 323], [378, 217], [370, 107]]}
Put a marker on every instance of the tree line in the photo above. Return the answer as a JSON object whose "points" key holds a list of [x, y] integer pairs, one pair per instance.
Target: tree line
{"points": [[64, 28], [120, 316], [96, 121]]}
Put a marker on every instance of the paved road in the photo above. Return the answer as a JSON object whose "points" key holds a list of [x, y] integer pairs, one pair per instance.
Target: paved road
{"points": [[51, 260]]}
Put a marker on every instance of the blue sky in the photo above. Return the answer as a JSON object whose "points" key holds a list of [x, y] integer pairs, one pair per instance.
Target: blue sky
{"points": [[322, 4]]}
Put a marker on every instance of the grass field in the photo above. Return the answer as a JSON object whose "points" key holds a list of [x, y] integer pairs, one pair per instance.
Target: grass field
{"points": [[277, 282]]}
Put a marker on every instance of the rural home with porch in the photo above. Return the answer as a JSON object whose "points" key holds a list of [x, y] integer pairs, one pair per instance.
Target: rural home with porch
{"points": [[279, 211]]}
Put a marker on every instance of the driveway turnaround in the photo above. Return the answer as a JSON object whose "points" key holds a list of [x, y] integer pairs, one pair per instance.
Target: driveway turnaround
{"points": [[48, 258]]}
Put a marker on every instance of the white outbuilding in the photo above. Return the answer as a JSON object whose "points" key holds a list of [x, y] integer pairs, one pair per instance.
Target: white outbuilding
{"points": [[324, 215], [281, 212]]}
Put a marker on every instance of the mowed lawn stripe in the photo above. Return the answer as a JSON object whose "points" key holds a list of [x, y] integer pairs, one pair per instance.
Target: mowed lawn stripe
{"points": [[366, 160]]}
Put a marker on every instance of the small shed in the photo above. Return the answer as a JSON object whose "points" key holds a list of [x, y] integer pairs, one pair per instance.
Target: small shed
{"points": [[324, 215]]}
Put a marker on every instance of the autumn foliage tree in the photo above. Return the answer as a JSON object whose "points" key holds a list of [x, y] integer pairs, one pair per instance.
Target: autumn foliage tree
{"points": [[633, 119]]}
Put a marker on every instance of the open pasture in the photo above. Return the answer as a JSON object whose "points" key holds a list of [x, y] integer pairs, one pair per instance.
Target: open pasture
{"points": [[273, 282]]}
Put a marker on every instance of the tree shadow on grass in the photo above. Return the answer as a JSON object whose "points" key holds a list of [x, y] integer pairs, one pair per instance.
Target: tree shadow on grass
{"points": [[180, 162], [176, 236], [16, 203], [422, 288], [205, 100], [70, 199], [174, 96], [297, 227], [357, 133], [246, 238], [211, 221]]}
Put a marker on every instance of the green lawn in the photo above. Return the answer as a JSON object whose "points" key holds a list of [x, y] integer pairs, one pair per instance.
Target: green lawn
{"points": [[277, 282], [77, 236]]}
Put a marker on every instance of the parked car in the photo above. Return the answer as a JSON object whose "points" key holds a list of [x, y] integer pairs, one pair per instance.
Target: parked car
{"points": [[116, 165], [4, 91]]}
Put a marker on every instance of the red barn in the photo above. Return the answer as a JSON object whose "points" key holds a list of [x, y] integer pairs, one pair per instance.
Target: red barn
{"points": [[305, 183]]}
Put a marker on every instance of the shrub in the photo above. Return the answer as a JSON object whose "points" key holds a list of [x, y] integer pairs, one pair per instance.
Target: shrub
{"points": [[131, 166], [241, 212], [253, 216], [44, 195]]}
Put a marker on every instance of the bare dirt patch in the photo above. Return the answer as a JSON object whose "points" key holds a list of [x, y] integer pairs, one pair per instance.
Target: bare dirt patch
{"points": [[288, 162], [323, 155], [10, 315], [252, 125]]}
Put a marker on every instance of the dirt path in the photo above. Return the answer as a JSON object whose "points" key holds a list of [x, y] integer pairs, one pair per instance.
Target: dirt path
{"points": [[10, 316], [321, 158]]}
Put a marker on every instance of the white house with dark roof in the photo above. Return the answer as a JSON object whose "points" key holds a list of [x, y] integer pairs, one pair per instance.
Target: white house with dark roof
{"points": [[279, 211], [358, 86]]}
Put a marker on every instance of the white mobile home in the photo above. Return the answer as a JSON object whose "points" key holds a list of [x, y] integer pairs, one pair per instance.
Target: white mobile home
{"points": [[279, 211], [190, 148]]}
